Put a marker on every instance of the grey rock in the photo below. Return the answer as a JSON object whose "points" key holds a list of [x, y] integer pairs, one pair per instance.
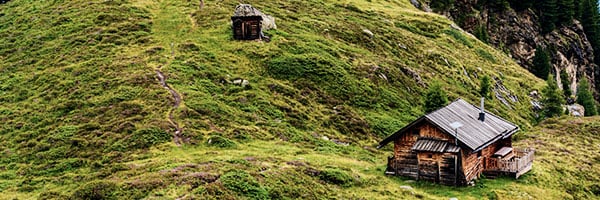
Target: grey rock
{"points": [[368, 33], [576, 110]]}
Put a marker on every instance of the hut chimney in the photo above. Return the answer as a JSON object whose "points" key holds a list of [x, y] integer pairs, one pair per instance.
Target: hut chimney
{"points": [[482, 111]]}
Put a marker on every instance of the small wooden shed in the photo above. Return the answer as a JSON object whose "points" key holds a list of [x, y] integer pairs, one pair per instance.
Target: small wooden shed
{"points": [[246, 27], [455, 144]]}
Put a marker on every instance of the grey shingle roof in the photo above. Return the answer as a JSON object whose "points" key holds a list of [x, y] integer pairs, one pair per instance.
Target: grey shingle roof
{"points": [[474, 133], [432, 145]]}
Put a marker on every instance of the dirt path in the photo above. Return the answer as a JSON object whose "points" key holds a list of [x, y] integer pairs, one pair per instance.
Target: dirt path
{"points": [[177, 136]]}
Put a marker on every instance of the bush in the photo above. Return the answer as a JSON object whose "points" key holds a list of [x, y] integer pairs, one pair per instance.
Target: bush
{"points": [[221, 142], [145, 138], [336, 176], [242, 183], [435, 98], [96, 190]]}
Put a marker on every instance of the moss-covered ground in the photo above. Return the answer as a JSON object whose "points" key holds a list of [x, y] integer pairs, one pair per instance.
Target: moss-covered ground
{"points": [[84, 116]]}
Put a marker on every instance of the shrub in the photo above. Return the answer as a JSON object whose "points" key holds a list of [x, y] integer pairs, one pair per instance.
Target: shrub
{"points": [[336, 176], [435, 98], [221, 142], [242, 183], [96, 190], [145, 138]]}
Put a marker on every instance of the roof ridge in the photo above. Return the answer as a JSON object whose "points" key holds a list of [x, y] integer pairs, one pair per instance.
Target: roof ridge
{"points": [[488, 112]]}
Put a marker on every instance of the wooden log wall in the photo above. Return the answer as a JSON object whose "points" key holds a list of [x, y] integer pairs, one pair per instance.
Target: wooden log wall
{"points": [[472, 165], [429, 131], [405, 161], [437, 167]]}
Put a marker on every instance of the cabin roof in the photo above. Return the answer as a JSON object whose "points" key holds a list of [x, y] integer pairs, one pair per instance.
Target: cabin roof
{"points": [[474, 134], [433, 145]]}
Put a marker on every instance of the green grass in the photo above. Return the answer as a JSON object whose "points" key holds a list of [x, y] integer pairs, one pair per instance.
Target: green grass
{"points": [[82, 108]]}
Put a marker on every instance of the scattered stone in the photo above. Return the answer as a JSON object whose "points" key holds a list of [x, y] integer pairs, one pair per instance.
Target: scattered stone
{"points": [[537, 106], [339, 142], [408, 189], [402, 46], [296, 163], [414, 75], [453, 198], [576, 110], [369, 33], [242, 82], [325, 138]]}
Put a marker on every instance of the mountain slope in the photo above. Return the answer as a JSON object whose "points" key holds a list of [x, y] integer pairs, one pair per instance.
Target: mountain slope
{"points": [[84, 112]]}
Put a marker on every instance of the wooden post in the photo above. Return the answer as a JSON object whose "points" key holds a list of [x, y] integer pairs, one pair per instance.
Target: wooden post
{"points": [[439, 171], [201, 4], [418, 170], [455, 169]]}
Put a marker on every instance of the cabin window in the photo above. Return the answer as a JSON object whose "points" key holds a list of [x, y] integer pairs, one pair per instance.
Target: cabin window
{"points": [[429, 155], [415, 132], [479, 154]]}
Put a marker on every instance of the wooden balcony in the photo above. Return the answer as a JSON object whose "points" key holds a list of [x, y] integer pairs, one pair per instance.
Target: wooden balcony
{"points": [[516, 166]]}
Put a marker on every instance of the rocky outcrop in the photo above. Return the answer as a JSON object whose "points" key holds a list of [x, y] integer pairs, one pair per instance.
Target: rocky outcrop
{"points": [[518, 33]]}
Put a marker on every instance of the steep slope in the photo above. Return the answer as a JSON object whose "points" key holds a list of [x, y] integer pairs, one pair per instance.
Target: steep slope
{"points": [[85, 111], [519, 33]]}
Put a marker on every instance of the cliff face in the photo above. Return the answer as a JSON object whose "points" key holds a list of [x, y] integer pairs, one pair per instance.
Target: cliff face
{"points": [[518, 33]]}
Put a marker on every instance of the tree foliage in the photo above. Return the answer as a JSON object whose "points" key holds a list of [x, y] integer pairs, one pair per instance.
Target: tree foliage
{"points": [[485, 86], [553, 99], [548, 15], [564, 80], [566, 10], [541, 63], [585, 98], [435, 98], [441, 5], [481, 33]]}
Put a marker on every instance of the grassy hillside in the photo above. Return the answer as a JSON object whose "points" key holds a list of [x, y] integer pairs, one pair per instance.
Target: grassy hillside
{"points": [[83, 112]]}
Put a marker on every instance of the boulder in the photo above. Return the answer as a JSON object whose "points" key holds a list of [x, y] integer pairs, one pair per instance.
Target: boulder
{"points": [[368, 33], [576, 110]]}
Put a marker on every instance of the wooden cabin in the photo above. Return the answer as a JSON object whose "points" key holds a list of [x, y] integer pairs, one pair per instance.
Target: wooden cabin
{"points": [[455, 144], [246, 27]]}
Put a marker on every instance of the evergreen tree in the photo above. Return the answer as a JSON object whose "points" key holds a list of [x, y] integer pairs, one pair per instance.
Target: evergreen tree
{"points": [[485, 86], [590, 19], [553, 99], [441, 5], [564, 79], [541, 63], [435, 98], [566, 10], [481, 33], [585, 98], [548, 14], [519, 5], [578, 9]]}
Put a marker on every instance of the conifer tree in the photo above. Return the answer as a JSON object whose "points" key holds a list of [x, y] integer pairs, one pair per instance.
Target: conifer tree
{"points": [[553, 99], [485, 86], [548, 13], [435, 98], [590, 18], [578, 9], [585, 98], [564, 79], [566, 10], [541, 63]]}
